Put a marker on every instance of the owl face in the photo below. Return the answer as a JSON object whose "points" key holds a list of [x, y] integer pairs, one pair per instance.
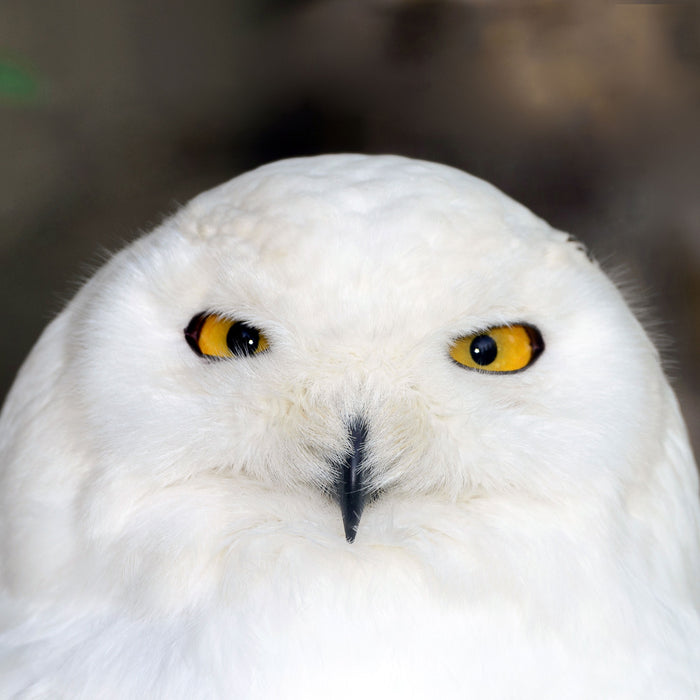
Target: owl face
{"points": [[359, 330]]}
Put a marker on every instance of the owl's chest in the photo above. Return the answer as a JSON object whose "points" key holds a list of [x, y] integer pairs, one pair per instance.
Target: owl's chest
{"points": [[275, 616], [392, 623]]}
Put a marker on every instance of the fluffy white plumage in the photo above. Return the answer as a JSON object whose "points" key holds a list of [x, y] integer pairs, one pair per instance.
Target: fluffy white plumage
{"points": [[168, 522]]}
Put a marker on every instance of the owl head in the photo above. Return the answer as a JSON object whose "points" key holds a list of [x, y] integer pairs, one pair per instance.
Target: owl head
{"points": [[344, 339]]}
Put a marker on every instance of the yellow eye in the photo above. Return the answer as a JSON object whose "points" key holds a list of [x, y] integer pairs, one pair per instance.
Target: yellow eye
{"points": [[500, 349], [211, 335]]}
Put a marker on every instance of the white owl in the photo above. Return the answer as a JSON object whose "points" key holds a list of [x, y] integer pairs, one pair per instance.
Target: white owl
{"points": [[348, 427]]}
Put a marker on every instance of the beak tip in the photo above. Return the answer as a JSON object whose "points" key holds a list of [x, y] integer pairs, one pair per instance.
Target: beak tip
{"points": [[351, 522]]}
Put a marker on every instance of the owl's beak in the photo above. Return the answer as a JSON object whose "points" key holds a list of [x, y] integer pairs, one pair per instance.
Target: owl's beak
{"points": [[351, 492]]}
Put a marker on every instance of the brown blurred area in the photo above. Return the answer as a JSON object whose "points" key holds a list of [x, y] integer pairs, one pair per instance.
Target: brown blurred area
{"points": [[113, 112]]}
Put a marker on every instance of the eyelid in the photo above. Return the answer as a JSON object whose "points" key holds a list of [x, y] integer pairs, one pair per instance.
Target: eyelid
{"points": [[193, 330]]}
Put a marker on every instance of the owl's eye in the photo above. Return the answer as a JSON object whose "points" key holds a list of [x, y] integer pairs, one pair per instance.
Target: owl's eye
{"points": [[500, 349], [211, 335]]}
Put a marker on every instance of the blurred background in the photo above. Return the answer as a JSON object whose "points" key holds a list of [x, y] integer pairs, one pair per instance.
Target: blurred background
{"points": [[114, 112]]}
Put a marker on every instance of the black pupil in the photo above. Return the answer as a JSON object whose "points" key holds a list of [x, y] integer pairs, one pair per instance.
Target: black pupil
{"points": [[483, 349], [242, 339]]}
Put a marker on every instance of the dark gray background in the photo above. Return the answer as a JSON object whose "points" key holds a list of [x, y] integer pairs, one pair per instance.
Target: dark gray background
{"points": [[112, 112]]}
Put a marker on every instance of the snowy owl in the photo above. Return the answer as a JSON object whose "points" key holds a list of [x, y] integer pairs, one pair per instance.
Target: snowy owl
{"points": [[350, 427]]}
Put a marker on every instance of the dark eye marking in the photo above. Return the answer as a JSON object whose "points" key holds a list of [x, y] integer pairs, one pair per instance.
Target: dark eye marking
{"points": [[580, 246]]}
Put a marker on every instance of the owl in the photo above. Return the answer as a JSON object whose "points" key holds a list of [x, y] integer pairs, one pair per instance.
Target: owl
{"points": [[348, 427]]}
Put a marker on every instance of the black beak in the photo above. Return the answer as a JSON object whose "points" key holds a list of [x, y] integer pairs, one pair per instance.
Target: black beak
{"points": [[351, 491]]}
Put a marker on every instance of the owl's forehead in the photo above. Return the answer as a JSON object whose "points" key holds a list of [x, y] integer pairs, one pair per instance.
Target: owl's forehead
{"points": [[369, 231], [350, 211]]}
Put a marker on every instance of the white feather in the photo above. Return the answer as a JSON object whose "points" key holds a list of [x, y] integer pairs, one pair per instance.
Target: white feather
{"points": [[165, 523]]}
